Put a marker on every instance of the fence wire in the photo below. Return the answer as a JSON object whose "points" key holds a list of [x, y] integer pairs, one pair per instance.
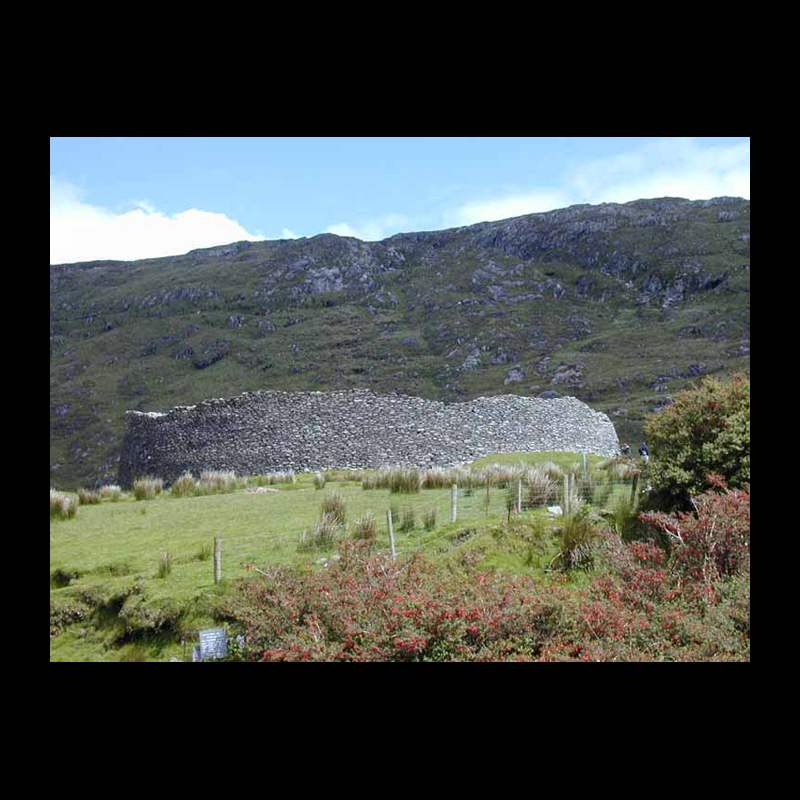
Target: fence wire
{"points": [[418, 521]]}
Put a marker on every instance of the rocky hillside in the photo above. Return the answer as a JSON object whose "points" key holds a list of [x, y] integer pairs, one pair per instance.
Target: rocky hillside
{"points": [[618, 305]]}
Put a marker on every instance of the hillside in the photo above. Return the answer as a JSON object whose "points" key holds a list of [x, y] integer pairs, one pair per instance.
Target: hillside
{"points": [[617, 305]]}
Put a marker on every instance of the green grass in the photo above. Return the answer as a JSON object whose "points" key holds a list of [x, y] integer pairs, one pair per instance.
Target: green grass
{"points": [[560, 459], [109, 557]]}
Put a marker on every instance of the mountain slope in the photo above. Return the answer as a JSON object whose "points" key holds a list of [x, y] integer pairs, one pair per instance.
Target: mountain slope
{"points": [[616, 304]]}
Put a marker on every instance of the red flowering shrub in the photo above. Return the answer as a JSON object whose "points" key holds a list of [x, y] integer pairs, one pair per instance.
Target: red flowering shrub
{"points": [[370, 608], [712, 542]]}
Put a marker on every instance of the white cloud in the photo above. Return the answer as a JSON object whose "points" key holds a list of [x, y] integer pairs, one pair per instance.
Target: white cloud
{"points": [[678, 167], [675, 167], [503, 207], [371, 230], [80, 231]]}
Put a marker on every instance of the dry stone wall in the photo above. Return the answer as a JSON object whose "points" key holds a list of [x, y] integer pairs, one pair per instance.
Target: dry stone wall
{"points": [[266, 431]]}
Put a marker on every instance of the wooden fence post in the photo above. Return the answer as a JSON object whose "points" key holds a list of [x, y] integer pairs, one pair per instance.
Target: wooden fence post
{"points": [[519, 496], [454, 503], [391, 531], [217, 559], [566, 495]]}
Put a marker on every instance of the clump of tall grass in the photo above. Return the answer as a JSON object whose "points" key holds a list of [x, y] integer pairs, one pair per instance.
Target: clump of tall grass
{"points": [[620, 468], [500, 475], [578, 531], [405, 480], [366, 527], [623, 518], [429, 519], [282, 476], [398, 480], [218, 482], [409, 521], [270, 478], [88, 497], [184, 486], [552, 470], [111, 492], [444, 478], [203, 554], [146, 488], [62, 506], [322, 536], [542, 487], [335, 506], [319, 480], [164, 565], [352, 475]]}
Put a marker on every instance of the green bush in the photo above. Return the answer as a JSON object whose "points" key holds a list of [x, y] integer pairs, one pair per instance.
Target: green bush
{"points": [[705, 431]]}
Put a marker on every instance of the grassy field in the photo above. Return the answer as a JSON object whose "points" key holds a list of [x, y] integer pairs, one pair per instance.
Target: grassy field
{"points": [[129, 578]]}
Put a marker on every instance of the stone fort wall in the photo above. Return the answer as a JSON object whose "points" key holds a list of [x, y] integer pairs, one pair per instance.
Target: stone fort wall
{"points": [[266, 431]]}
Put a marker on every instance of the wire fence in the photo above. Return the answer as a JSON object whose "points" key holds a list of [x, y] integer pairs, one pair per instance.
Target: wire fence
{"points": [[420, 522]]}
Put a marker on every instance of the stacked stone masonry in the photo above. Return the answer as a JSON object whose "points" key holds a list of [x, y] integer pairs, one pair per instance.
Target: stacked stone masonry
{"points": [[260, 432]]}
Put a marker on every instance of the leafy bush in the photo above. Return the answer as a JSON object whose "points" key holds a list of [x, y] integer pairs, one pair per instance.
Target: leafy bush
{"points": [[706, 430]]}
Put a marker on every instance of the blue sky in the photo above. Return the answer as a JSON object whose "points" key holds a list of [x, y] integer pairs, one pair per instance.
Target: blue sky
{"points": [[128, 198]]}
